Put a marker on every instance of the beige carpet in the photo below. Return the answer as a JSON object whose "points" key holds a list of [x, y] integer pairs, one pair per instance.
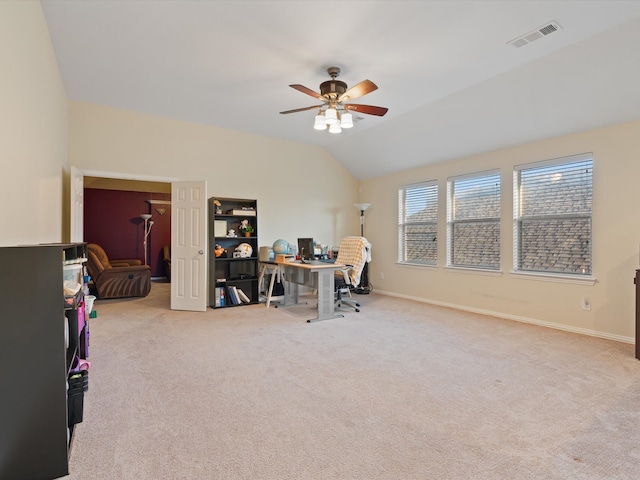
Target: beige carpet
{"points": [[401, 390]]}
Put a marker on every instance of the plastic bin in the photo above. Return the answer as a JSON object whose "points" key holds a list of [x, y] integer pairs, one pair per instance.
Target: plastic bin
{"points": [[78, 384], [75, 407]]}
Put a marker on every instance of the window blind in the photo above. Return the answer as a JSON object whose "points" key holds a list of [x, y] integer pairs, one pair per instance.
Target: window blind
{"points": [[473, 221], [418, 223], [552, 216]]}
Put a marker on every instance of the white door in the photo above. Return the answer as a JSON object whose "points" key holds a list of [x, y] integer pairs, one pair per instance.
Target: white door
{"points": [[76, 209], [189, 252]]}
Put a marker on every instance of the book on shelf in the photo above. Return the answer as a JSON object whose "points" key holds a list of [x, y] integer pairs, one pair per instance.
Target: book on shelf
{"points": [[217, 300], [233, 296], [242, 211], [221, 296], [242, 295], [228, 296]]}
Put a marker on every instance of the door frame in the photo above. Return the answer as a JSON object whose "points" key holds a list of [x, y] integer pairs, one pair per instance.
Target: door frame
{"points": [[79, 172], [103, 174]]}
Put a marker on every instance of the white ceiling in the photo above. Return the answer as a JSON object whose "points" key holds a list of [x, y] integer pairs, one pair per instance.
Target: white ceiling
{"points": [[444, 69]]}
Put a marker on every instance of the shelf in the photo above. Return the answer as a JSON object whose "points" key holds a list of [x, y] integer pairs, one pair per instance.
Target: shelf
{"points": [[234, 215], [231, 259], [71, 302], [75, 261], [236, 271], [233, 281], [38, 400], [235, 238]]}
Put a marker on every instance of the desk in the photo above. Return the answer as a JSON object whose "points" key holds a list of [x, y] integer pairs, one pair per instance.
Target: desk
{"points": [[316, 275], [276, 272]]}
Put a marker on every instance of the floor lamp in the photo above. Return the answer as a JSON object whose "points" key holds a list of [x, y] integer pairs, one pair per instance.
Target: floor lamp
{"points": [[148, 223], [363, 287]]}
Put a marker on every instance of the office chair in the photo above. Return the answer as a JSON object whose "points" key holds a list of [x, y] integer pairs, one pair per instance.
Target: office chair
{"points": [[353, 253]]}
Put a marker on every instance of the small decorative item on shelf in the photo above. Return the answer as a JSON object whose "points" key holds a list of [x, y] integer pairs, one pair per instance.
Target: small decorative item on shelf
{"points": [[246, 228], [244, 250], [218, 206], [220, 252], [231, 233]]}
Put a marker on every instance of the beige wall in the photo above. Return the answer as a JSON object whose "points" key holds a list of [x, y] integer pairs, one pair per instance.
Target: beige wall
{"points": [[616, 237], [33, 122], [33, 126], [302, 191]]}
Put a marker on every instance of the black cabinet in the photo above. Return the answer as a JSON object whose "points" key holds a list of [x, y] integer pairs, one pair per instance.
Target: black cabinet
{"points": [[40, 330], [636, 280], [233, 259]]}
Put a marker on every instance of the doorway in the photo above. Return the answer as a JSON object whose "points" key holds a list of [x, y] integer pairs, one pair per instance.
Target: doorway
{"points": [[114, 217], [188, 243], [144, 185]]}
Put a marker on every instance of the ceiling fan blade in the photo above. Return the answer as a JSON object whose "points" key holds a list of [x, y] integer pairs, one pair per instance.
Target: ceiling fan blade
{"points": [[368, 109], [301, 109], [308, 91], [364, 87]]}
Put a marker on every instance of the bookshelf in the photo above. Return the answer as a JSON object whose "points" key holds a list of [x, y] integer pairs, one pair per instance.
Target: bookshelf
{"points": [[233, 260]]}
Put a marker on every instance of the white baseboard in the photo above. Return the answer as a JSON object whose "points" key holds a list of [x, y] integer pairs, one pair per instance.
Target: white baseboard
{"points": [[517, 318]]}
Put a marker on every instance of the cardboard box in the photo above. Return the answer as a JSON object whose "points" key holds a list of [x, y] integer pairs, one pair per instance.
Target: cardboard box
{"points": [[284, 258]]}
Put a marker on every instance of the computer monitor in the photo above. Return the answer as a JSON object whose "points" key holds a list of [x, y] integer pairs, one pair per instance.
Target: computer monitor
{"points": [[306, 248]]}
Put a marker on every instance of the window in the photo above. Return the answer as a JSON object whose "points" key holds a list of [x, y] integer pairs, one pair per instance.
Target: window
{"points": [[552, 216], [418, 223], [473, 221]]}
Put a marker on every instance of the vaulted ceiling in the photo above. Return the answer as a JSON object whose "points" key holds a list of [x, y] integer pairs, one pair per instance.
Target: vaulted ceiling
{"points": [[447, 70]]}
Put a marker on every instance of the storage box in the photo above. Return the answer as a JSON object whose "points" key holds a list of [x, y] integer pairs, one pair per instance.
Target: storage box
{"points": [[75, 407], [265, 254], [78, 384], [284, 258], [72, 278]]}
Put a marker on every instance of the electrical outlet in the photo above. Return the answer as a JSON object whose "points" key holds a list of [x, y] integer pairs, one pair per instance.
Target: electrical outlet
{"points": [[381, 276], [586, 303]]}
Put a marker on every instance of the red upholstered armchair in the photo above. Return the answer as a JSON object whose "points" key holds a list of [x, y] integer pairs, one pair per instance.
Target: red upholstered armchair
{"points": [[117, 278]]}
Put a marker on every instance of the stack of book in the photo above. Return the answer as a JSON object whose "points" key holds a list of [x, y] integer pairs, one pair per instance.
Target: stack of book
{"points": [[230, 295], [249, 212]]}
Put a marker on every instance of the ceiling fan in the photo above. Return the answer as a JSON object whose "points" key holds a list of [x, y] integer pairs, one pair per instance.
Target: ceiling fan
{"points": [[334, 111]]}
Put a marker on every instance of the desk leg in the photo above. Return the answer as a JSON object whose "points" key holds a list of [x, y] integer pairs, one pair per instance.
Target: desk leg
{"points": [[290, 293], [325, 296], [270, 291], [261, 268]]}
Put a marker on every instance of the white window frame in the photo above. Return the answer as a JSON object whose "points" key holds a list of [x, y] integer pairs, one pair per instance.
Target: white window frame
{"points": [[411, 197], [453, 222], [554, 166]]}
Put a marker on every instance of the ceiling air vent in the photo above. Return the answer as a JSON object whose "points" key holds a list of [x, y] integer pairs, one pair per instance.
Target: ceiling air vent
{"points": [[534, 35]]}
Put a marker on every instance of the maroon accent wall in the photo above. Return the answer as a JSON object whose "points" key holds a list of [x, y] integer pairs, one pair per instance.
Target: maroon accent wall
{"points": [[112, 220]]}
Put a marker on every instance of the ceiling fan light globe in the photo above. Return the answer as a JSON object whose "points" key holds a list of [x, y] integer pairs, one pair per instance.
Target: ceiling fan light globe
{"points": [[346, 121], [319, 123], [331, 116], [335, 128]]}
